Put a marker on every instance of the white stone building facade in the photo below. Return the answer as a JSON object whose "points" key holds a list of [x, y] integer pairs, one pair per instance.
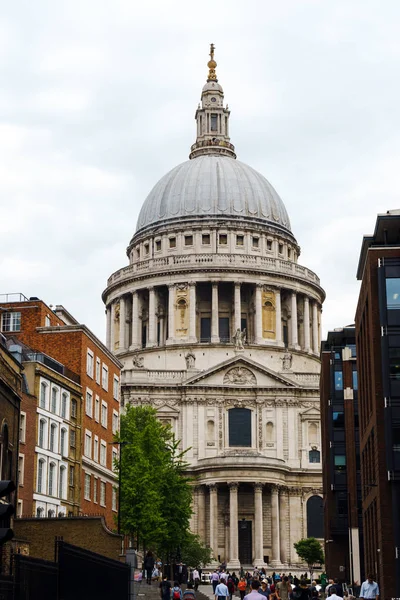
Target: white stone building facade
{"points": [[218, 327]]}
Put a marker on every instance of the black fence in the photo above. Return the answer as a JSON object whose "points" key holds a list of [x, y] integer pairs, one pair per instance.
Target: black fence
{"points": [[77, 574]]}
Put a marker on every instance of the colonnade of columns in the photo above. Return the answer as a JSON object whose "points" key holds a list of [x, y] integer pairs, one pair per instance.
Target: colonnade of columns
{"points": [[130, 333], [279, 522]]}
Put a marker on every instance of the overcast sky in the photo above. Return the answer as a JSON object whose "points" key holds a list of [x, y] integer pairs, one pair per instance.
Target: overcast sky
{"points": [[97, 102]]}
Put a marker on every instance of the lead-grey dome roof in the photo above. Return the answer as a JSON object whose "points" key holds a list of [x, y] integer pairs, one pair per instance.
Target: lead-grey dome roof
{"points": [[216, 186]]}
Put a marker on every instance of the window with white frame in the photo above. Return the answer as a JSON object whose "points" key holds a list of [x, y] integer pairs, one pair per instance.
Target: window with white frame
{"points": [[95, 484], [21, 469], [104, 414], [115, 459], [43, 394], [11, 321], [103, 453], [115, 421], [61, 482], [53, 437], [19, 508], [72, 475], [52, 471], [89, 403], [104, 377], [64, 402], [47, 322], [74, 409], [88, 444], [42, 433], [97, 409], [89, 363], [102, 493], [96, 449], [54, 398], [40, 475], [63, 442], [115, 388], [22, 427], [87, 486], [72, 439], [114, 499], [98, 370]]}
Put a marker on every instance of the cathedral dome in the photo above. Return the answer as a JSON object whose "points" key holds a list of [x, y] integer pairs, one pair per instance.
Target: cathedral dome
{"points": [[213, 186]]}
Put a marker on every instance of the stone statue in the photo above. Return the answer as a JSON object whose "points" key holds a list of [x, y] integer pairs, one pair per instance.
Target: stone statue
{"points": [[190, 360], [137, 361], [287, 361], [239, 338]]}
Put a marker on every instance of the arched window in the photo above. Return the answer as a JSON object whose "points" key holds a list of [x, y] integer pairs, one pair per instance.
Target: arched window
{"points": [[210, 430], [314, 456], [240, 427], [51, 513], [53, 437], [39, 511], [52, 470], [61, 482], [64, 398], [42, 433], [43, 393], [63, 447], [313, 433], [269, 432], [54, 396], [40, 475], [315, 517]]}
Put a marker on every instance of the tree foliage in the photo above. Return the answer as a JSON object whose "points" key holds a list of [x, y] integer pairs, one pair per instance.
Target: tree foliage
{"points": [[309, 550], [155, 493], [194, 552]]}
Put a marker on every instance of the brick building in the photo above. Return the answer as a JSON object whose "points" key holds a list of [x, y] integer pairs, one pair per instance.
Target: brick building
{"points": [[341, 456], [378, 356], [57, 334]]}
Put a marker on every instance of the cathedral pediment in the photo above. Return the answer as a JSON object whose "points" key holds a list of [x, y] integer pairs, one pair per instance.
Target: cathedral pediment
{"points": [[311, 413], [240, 372]]}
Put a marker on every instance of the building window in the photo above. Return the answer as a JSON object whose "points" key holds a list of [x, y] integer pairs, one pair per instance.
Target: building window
{"points": [[315, 517], [289, 253], [240, 240], [87, 486], [72, 476], [338, 380], [40, 512], [280, 248], [89, 403], [392, 293], [73, 409], [115, 422], [355, 380], [98, 370], [72, 439], [270, 436], [188, 240], [158, 245], [61, 482], [172, 242], [255, 242], [206, 239], [40, 476], [314, 456], [269, 245], [47, 321], [22, 427], [95, 484], [114, 499], [11, 321], [103, 454], [88, 444], [223, 239], [43, 393], [63, 445], [21, 463], [104, 414], [42, 432], [64, 399], [146, 249], [97, 409], [340, 462], [214, 122], [53, 437], [338, 419], [19, 508], [137, 252], [52, 469], [96, 449], [102, 493], [114, 465], [239, 427], [104, 378], [115, 388], [89, 363], [54, 398]]}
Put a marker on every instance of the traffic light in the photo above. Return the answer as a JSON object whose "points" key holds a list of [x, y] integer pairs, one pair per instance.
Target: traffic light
{"points": [[6, 511]]}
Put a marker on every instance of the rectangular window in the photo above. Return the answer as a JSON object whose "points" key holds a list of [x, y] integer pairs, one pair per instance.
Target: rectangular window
{"points": [[289, 252], [104, 414], [97, 409], [239, 427], [280, 248], [115, 388], [95, 484], [206, 239], [89, 403], [114, 500], [146, 248], [392, 293], [158, 245], [96, 449], [188, 240], [214, 122], [340, 462], [102, 493], [47, 321], [87, 486], [11, 321], [104, 377], [338, 419], [19, 508], [103, 454], [355, 380], [72, 439], [172, 242], [22, 427], [205, 329], [338, 380], [72, 476], [54, 399], [43, 394], [88, 445], [42, 433], [394, 363], [223, 239], [73, 408], [269, 245], [115, 423], [137, 252], [239, 240], [256, 242], [89, 363], [64, 405], [21, 464], [98, 370]]}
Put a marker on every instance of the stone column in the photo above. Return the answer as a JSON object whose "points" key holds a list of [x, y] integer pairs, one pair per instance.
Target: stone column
{"points": [[152, 338], [112, 333], [201, 513], [192, 312], [214, 314], [276, 550], [122, 323], [259, 335], [162, 329], [135, 322], [295, 339], [214, 519], [258, 529], [233, 526], [238, 307], [283, 523], [307, 324], [278, 316], [171, 314], [108, 327], [315, 327]]}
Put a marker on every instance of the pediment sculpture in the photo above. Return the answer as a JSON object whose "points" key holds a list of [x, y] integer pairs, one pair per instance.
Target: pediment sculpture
{"points": [[240, 376]]}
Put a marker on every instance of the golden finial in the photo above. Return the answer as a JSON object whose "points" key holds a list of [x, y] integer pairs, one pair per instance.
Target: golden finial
{"points": [[212, 76]]}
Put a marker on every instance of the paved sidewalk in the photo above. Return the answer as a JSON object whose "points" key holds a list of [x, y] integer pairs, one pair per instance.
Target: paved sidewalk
{"points": [[152, 592]]}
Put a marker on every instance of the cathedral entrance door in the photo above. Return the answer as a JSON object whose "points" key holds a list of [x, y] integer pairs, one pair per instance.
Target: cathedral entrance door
{"points": [[245, 542]]}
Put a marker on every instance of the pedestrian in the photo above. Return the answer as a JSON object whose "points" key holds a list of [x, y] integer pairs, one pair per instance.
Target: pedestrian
{"points": [[314, 590], [333, 595], [176, 591], [338, 588], [254, 594], [196, 579], [149, 566], [283, 588], [242, 586], [214, 580], [189, 593], [165, 589], [328, 587], [265, 589], [231, 587], [369, 588], [348, 596], [221, 591], [301, 591]]}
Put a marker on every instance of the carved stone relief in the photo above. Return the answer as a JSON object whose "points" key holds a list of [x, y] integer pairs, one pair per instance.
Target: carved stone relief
{"points": [[240, 376]]}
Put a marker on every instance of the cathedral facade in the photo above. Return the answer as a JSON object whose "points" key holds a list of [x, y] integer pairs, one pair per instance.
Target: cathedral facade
{"points": [[218, 327]]}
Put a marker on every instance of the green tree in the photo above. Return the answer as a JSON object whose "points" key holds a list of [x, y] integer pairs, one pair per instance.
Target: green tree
{"points": [[194, 552], [309, 550]]}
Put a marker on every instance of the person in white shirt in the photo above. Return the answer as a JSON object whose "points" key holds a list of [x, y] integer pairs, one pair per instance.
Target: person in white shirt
{"points": [[334, 596], [221, 591], [369, 589], [196, 579]]}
